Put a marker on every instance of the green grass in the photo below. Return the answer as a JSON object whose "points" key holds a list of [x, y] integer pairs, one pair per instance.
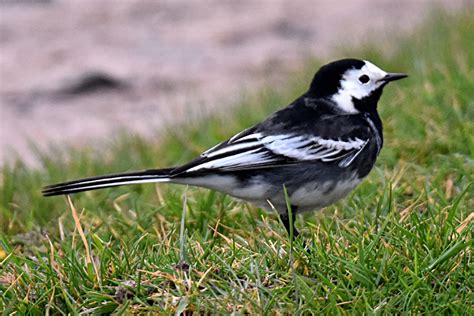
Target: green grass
{"points": [[401, 243]]}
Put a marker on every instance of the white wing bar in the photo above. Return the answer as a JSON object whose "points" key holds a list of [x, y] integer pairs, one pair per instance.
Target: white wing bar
{"points": [[257, 149]]}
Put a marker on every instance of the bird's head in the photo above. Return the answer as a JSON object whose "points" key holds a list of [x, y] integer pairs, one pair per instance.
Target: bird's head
{"points": [[354, 85]]}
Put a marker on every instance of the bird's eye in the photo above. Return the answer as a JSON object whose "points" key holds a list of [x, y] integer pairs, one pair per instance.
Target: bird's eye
{"points": [[364, 78]]}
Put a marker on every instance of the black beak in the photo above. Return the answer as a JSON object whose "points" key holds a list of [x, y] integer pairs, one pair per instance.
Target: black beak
{"points": [[393, 76]]}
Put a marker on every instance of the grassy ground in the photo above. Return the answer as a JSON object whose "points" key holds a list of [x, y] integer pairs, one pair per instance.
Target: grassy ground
{"points": [[402, 242]]}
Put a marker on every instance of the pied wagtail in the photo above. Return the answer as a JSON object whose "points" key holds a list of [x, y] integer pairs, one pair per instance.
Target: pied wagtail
{"points": [[319, 148]]}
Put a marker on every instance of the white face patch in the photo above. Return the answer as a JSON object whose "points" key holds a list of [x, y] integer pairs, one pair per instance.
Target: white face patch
{"points": [[353, 87]]}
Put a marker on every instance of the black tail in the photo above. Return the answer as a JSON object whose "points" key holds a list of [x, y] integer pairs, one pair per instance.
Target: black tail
{"points": [[112, 180]]}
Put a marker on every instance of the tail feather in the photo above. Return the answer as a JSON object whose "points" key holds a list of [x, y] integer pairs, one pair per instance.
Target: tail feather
{"points": [[111, 180]]}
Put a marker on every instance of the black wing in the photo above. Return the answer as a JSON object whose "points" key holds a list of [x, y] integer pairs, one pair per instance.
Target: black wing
{"points": [[261, 147]]}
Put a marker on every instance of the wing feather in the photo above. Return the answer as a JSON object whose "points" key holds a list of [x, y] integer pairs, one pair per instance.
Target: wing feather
{"points": [[254, 150]]}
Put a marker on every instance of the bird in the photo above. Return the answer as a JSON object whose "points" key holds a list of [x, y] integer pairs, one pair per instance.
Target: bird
{"points": [[303, 157]]}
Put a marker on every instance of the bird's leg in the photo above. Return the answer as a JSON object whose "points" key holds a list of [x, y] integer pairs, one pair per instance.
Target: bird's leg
{"points": [[285, 218]]}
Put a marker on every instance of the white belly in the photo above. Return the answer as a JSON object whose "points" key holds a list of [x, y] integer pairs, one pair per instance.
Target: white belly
{"points": [[312, 197]]}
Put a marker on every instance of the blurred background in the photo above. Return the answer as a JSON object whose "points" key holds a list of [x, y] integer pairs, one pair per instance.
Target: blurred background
{"points": [[76, 72]]}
